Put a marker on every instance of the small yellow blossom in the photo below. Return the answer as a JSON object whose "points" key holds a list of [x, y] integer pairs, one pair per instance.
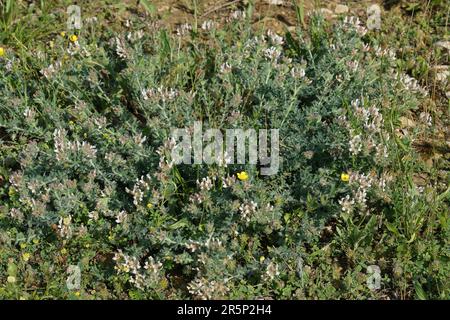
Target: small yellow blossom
{"points": [[26, 256], [2, 51], [77, 293], [36, 241], [67, 220], [345, 177], [63, 34], [11, 279], [63, 251], [149, 205], [261, 259], [242, 176], [23, 245], [73, 38]]}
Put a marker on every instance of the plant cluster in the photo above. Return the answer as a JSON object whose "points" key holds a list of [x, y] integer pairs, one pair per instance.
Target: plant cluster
{"points": [[87, 177]]}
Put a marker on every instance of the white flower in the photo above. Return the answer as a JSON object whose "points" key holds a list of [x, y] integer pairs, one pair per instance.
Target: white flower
{"points": [[183, 29], [381, 151], [272, 270], [152, 266], [135, 36], [225, 68], [91, 20], [272, 53], [347, 203], [275, 38], [161, 93], [206, 184], [356, 24], [412, 84], [51, 69], [142, 185], [193, 246], [228, 181], [426, 118], [197, 198], [121, 217], [237, 15], [208, 25], [120, 48], [93, 215], [65, 227], [356, 145], [247, 209], [353, 65], [297, 72], [29, 114], [9, 65]]}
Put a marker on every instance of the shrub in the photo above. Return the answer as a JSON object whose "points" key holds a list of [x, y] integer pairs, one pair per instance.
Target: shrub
{"points": [[88, 178]]}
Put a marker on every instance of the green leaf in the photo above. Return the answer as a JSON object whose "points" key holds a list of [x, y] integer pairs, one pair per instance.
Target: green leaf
{"points": [[150, 8], [420, 292], [300, 12], [392, 228], [179, 224]]}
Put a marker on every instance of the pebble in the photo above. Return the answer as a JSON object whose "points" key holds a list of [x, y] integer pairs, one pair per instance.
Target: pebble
{"points": [[340, 8], [328, 14], [275, 2], [443, 44], [442, 73]]}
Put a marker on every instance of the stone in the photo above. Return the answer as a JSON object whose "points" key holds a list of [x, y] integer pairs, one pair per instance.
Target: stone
{"points": [[443, 44], [275, 2], [441, 73], [340, 9], [327, 13], [407, 123]]}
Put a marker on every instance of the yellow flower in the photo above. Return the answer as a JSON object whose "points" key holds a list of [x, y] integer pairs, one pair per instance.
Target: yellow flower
{"points": [[23, 245], [242, 175], [2, 51], [73, 38], [26, 256], [63, 34], [77, 293], [36, 241], [63, 251], [345, 177], [149, 205]]}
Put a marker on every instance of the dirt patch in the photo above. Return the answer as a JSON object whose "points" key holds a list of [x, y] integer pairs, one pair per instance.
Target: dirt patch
{"points": [[274, 14]]}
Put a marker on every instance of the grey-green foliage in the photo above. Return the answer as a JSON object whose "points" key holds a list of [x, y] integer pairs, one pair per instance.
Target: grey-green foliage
{"points": [[115, 204]]}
